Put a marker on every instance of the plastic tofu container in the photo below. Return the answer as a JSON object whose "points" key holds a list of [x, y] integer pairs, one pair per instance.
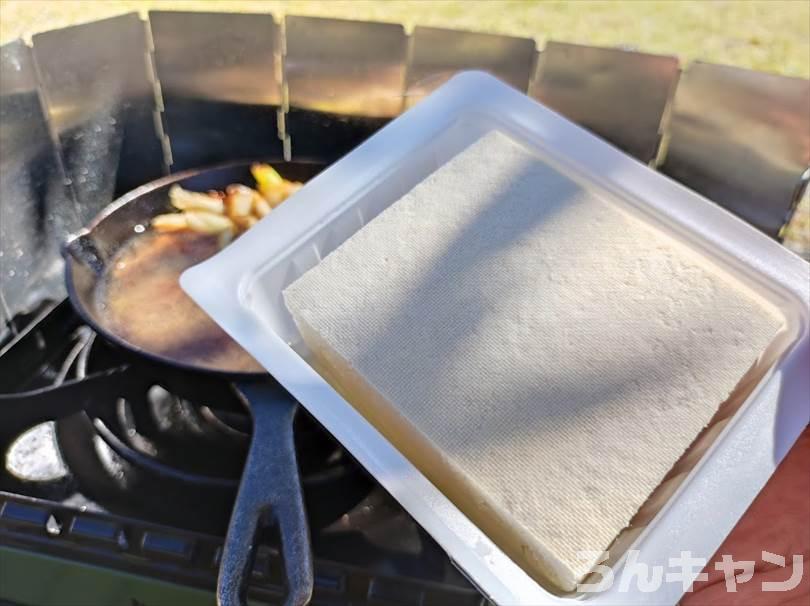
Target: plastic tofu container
{"points": [[241, 289]]}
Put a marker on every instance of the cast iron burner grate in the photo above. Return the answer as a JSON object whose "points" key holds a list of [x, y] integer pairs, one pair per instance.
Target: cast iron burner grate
{"points": [[137, 479]]}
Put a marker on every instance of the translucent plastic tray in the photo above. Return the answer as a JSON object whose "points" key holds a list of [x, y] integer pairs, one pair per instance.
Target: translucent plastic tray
{"points": [[241, 289]]}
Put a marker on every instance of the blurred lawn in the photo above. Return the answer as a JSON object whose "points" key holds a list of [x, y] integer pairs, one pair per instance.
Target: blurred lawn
{"points": [[766, 35]]}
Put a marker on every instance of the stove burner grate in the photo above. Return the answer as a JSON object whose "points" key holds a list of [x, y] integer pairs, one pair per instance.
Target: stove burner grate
{"points": [[138, 474]]}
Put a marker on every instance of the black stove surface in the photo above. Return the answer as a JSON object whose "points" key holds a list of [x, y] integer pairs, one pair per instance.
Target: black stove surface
{"points": [[136, 479]]}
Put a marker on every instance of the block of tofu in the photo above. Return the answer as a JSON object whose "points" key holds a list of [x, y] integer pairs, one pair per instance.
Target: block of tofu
{"points": [[540, 354]]}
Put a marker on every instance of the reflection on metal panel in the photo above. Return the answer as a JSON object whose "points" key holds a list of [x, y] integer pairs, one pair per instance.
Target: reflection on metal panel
{"points": [[742, 139], [220, 76], [437, 54], [619, 95], [345, 67], [323, 136], [36, 211], [101, 103]]}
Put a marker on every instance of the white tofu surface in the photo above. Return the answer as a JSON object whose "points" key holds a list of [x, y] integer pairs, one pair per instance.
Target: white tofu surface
{"points": [[540, 354]]}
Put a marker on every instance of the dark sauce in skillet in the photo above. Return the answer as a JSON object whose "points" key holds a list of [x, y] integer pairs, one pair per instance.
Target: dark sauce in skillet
{"points": [[142, 302]]}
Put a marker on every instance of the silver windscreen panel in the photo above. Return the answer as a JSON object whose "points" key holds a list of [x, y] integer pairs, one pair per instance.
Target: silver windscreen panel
{"points": [[352, 68], [220, 77], [742, 139], [36, 210], [344, 80], [436, 54], [96, 81], [619, 95]]}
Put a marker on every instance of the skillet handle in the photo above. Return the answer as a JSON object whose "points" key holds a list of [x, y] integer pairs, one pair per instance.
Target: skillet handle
{"points": [[270, 487]]}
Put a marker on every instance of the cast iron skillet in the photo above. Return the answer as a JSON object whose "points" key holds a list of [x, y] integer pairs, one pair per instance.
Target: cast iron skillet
{"points": [[270, 488]]}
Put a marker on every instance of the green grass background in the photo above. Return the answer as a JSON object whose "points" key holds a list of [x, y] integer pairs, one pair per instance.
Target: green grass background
{"points": [[771, 35]]}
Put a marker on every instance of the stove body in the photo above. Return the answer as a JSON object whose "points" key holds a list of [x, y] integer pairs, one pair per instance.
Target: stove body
{"points": [[124, 498]]}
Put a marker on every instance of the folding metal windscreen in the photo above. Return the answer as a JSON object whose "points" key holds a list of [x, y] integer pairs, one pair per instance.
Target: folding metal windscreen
{"points": [[90, 111]]}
